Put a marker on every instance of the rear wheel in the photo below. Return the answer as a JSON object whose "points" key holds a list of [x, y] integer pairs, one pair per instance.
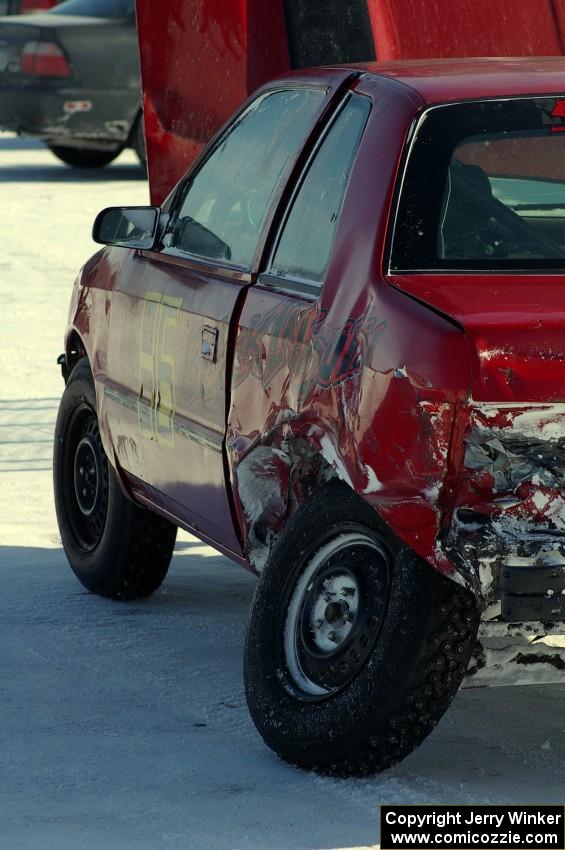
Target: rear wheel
{"points": [[355, 647], [84, 157], [115, 548]]}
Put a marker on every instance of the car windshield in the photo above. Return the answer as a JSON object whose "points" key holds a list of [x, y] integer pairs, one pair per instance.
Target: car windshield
{"points": [[95, 8]]}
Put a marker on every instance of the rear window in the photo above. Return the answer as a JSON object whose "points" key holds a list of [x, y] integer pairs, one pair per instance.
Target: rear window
{"points": [[96, 8], [484, 189]]}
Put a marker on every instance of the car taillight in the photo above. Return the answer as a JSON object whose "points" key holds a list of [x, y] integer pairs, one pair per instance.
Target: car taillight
{"points": [[44, 59], [36, 5]]}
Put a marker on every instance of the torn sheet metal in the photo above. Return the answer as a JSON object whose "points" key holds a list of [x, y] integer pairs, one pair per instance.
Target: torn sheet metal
{"points": [[272, 481], [312, 388], [510, 502], [263, 482]]}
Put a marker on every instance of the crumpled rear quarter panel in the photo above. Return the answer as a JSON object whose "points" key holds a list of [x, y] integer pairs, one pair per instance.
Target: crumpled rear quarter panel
{"points": [[359, 384], [369, 400]]}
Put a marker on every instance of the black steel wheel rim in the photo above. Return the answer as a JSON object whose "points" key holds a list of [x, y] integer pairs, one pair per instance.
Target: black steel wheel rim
{"points": [[332, 614], [85, 478]]}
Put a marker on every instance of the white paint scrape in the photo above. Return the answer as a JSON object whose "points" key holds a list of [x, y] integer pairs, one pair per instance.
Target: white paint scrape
{"points": [[373, 483], [330, 454]]}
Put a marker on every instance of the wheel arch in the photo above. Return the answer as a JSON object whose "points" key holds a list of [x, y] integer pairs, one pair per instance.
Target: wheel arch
{"points": [[279, 474], [137, 138], [136, 118], [283, 470], [75, 350]]}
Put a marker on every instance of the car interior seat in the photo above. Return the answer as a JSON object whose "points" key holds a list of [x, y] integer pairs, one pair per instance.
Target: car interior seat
{"points": [[467, 211]]}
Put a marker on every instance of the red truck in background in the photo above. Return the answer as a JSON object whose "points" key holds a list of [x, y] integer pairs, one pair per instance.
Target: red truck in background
{"points": [[201, 60]]}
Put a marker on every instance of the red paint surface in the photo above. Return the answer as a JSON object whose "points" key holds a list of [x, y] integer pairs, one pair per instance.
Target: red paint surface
{"points": [[513, 326], [412, 29], [202, 58], [199, 61], [445, 80], [36, 5]]}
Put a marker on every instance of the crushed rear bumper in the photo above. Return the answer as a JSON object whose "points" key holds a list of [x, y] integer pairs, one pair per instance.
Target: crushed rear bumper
{"points": [[517, 654], [507, 531]]}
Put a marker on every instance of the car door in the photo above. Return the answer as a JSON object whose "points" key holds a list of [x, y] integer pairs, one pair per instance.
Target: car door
{"points": [[286, 352], [169, 350]]}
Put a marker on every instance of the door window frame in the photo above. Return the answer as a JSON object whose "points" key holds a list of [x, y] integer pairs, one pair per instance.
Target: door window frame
{"points": [[464, 268], [295, 284], [225, 268]]}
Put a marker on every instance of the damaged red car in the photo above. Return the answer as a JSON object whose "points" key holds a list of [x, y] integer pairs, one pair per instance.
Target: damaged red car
{"points": [[336, 354]]}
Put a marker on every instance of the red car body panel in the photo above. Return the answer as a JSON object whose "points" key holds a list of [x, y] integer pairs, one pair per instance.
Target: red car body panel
{"points": [[240, 44], [383, 381], [201, 60], [514, 331], [411, 29], [324, 372], [448, 80]]}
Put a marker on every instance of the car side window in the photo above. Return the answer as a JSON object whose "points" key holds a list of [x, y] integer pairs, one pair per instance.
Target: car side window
{"points": [[483, 189], [306, 241], [223, 211]]}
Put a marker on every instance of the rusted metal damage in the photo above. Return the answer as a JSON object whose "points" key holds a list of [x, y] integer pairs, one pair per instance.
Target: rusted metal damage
{"points": [[510, 503]]}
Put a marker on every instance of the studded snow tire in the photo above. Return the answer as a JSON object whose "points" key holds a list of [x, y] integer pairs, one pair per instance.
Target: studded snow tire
{"points": [[374, 716], [115, 548]]}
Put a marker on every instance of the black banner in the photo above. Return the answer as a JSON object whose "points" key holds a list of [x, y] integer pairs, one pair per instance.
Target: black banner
{"points": [[445, 827]]}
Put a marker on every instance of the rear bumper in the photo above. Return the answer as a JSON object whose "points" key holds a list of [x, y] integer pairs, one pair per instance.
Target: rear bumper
{"points": [[517, 654], [507, 530], [70, 116]]}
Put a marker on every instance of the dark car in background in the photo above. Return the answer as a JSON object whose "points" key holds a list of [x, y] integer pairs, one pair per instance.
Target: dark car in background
{"points": [[25, 7], [71, 77]]}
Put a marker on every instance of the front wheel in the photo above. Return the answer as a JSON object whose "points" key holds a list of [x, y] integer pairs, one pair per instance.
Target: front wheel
{"points": [[355, 647], [115, 548], [84, 157]]}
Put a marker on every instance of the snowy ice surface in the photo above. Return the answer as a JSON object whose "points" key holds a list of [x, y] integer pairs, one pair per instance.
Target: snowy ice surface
{"points": [[124, 726]]}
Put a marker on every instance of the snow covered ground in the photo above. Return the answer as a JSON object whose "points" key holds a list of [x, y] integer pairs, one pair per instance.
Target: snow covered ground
{"points": [[124, 726]]}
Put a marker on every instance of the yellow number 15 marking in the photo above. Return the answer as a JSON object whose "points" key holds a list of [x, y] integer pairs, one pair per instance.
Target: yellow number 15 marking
{"points": [[156, 402]]}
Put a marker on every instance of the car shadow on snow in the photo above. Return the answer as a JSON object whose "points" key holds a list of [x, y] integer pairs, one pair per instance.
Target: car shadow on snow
{"points": [[19, 143], [59, 173], [26, 442], [141, 707]]}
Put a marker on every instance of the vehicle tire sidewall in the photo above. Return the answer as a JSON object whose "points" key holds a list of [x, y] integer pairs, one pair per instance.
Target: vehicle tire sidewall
{"points": [[84, 157], [305, 728], [97, 569]]}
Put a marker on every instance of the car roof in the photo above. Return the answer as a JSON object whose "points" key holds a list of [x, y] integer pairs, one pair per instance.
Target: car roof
{"points": [[447, 80]]}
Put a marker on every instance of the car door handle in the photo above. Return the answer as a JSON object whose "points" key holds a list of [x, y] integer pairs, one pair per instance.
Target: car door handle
{"points": [[209, 343]]}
